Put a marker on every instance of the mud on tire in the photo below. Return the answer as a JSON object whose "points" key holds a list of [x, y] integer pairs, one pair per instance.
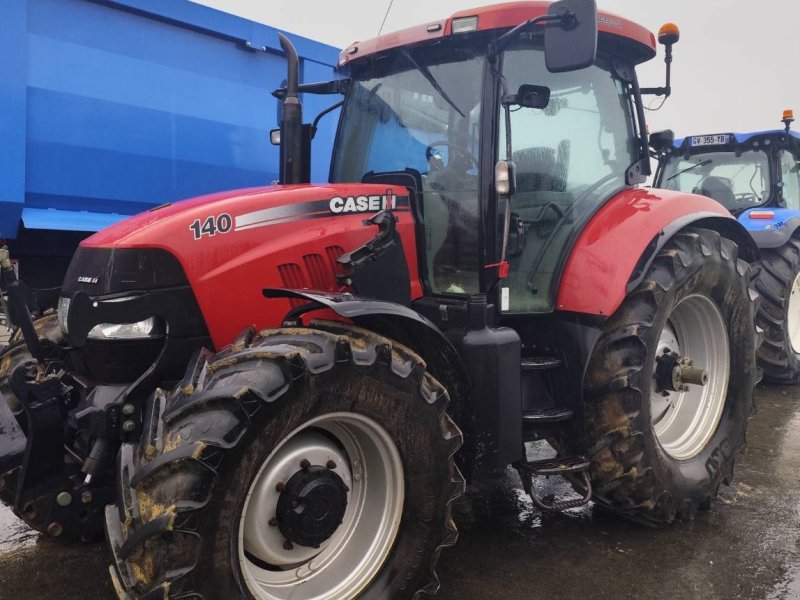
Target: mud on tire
{"points": [[777, 356], [182, 490], [631, 471]]}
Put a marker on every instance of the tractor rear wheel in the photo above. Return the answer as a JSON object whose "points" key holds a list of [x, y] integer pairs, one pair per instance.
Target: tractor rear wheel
{"points": [[663, 431], [296, 463], [778, 283]]}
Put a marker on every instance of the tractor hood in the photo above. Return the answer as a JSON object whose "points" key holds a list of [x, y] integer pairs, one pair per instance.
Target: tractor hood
{"points": [[170, 226], [229, 246]]}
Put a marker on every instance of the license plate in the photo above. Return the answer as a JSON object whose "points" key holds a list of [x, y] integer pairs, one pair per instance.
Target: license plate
{"points": [[710, 140]]}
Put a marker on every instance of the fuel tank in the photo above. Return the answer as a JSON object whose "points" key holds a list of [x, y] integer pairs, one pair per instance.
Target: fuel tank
{"points": [[231, 245]]}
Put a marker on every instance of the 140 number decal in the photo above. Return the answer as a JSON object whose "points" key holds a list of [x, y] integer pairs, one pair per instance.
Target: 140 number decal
{"points": [[211, 226]]}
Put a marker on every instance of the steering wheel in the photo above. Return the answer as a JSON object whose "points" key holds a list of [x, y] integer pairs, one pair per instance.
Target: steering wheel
{"points": [[455, 147]]}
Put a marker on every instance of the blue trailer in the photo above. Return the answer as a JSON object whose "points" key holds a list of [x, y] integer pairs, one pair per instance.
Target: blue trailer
{"points": [[757, 177], [109, 107]]}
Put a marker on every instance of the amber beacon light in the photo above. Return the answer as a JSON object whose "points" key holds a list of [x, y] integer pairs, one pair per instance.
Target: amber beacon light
{"points": [[788, 119], [669, 34]]}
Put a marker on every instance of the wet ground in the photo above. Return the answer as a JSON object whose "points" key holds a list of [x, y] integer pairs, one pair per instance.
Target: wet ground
{"points": [[746, 548]]}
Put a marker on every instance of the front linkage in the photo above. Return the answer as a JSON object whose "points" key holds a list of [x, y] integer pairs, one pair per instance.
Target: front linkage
{"points": [[59, 433]]}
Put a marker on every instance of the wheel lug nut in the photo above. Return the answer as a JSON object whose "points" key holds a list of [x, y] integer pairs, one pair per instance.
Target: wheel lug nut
{"points": [[331, 465], [280, 486], [55, 529], [305, 464], [273, 522], [287, 545]]}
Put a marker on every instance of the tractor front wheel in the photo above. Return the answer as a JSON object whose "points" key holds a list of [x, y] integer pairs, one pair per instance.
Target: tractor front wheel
{"points": [[296, 464], [669, 387]]}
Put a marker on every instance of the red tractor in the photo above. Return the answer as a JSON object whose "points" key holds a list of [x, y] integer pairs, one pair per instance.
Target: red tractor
{"points": [[480, 273]]}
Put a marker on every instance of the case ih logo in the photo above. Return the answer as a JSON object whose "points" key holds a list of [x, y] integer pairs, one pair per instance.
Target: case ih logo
{"points": [[356, 204], [85, 279]]}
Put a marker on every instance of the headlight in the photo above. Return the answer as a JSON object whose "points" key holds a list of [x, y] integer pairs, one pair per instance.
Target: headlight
{"points": [[63, 311], [127, 331], [148, 328]]}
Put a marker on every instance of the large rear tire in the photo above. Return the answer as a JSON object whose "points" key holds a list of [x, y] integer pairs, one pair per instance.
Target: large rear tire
{"points": [[658, 454], [339, 423], [778, 283]]}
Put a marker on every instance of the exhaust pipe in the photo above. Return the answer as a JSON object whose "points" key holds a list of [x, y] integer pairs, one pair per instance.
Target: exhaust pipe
{"points": [[291, 149]]}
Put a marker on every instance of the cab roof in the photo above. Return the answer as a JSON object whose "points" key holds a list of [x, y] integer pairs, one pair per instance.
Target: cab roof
{"points": [[501, 16], [738, 138]]}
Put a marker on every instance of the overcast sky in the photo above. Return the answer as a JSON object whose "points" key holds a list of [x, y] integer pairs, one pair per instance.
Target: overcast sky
{"points": [[735, 69]]}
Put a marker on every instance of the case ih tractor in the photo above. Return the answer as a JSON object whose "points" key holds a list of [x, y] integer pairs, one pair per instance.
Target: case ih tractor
{"points": [[273, 393], [757, 177]]}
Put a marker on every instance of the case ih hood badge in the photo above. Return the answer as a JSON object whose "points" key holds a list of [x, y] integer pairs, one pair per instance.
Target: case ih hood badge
{"points": [[321, 208], [353, 204], [86, 279]]}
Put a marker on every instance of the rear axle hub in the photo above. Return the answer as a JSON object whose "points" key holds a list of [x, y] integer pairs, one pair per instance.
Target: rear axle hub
{"points": [[311, 506], [674, 373]]}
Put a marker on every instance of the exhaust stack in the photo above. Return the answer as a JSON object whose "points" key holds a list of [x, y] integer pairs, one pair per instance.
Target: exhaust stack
{"points": [[291, 149]]}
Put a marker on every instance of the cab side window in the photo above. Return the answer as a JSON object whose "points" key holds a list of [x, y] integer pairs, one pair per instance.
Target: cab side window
{"points": [[790, 172]]}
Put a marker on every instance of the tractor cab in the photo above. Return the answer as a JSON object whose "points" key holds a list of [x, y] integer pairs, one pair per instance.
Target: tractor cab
{"points": [[745, 172], [507, 153]]}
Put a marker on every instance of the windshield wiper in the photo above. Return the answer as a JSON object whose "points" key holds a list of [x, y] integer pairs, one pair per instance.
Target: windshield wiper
{"points": [[707, 161], [432, 80]]}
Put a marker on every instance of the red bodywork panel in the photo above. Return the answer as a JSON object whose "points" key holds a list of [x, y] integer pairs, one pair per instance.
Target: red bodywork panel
{"points": [[499, 16], [604, 257], [287, 236]]}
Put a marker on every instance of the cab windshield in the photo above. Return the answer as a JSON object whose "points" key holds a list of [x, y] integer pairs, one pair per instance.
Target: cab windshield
{"points": [[738, 181], [418, 113]]}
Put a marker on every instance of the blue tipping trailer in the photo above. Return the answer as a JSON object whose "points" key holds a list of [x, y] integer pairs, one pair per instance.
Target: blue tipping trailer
{"points": [[109, 107]]}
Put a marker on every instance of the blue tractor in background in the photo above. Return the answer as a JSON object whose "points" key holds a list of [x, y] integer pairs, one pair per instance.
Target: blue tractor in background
{"points": [[757, 177]]}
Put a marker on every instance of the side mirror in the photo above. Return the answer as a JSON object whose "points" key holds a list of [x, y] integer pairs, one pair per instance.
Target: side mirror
{"points": [[531, 96], [572, 43], [661, 141]]}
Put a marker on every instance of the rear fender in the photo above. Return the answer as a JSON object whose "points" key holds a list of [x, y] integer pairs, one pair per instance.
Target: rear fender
{"points": [[408, 327], [620, 242]]}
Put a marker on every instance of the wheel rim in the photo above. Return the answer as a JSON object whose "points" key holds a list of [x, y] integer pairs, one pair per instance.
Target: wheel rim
{"points": [[685, 421], [793, 315], [367, 462]]}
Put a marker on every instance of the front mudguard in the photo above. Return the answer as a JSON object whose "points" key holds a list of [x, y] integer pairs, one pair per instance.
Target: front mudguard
{"points": [[408, 327]]}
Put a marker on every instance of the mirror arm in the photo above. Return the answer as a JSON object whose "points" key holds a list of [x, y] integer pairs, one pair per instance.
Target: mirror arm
{"points": [[501, 43], [326, 111], [323, 88]]}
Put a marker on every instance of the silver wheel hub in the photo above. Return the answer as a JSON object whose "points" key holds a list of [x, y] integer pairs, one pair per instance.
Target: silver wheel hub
{"points": [[793, 315], [323, 512], [694, 346]]}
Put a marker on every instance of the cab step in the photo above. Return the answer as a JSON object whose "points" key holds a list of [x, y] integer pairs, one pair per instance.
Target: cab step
{"points": [[578, 465], [540, 363], [546, 415], [557, 466]]}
